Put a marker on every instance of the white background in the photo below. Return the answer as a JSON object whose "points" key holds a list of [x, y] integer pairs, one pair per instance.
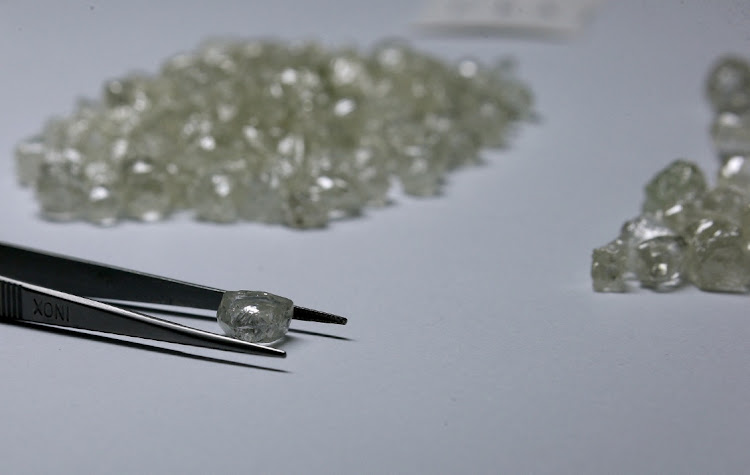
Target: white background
{"points": [[475, 343]]}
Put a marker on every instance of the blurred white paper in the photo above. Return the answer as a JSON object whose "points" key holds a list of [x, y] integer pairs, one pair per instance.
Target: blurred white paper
{"points": [[508, 17]]}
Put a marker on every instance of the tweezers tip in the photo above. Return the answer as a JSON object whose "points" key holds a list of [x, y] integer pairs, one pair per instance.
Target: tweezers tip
{"points": [[310, 315]]}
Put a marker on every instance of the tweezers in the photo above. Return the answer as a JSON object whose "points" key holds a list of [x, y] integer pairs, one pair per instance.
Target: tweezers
{"points": [[51, 289]]}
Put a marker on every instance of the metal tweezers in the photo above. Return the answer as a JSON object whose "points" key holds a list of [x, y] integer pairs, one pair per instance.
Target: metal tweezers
{"points": [[47, 288]]}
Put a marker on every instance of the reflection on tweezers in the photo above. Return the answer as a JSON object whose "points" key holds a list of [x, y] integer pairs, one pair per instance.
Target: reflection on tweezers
{"points": [[45, 288]]}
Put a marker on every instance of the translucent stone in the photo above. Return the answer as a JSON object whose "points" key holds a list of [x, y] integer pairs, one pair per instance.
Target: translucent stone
{"points": [[660, 262], [637, 230], [731, 134], [728, 85], [608, 267], [102, 206], [305, 210], [257, 317], [339, 195], [148, 196], [392, 55], [216, 198], [717, 259], [129, 92], [261, 199], [417, 180], [372, 176], [419, 165], [59, 190], [29, 157], [679, 183]]}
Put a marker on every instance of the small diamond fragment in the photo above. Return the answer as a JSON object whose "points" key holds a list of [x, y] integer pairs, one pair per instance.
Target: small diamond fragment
{"points": [[717, 259], [29, 157], [608, 267], [254, 316], [728, 84], [216, 199], [637, 230], [148, 194], [59, 190], [660, 262]]}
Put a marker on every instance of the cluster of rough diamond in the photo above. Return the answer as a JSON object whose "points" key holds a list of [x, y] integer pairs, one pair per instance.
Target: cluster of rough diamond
{"points": [[270, 132], [688, 232]]}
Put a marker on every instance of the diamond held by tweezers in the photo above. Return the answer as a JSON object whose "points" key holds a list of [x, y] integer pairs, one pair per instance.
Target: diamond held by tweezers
{"points": [[254, 316]]}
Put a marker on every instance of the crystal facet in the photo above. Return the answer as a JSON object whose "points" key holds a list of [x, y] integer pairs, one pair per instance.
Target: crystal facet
{"points": [[257, 317]]}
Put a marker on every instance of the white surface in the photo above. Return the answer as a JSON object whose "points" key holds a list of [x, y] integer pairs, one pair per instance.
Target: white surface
{"points": [[476, 343]]}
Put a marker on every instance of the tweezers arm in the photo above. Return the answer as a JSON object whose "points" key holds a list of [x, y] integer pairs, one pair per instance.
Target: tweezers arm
{"points": [[89, 279], [31, 303], [80, 277]]}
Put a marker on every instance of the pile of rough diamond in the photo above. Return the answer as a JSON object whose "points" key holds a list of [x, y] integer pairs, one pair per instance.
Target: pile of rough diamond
{"points": [[270, 132], [688, 232]]}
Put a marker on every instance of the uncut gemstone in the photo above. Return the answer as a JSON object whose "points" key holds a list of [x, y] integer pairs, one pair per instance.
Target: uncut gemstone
{"points": [[304, 209], [637, 230], [102, 206], [128, 92], [731, 134], [608, 267], [678, 183], [29, 157], [147, 193], [418, 180], [257, 317], [261, 201], [717, 259], [339, 196], [728, 85], [59, 191], [216, 198], [660, 262]]}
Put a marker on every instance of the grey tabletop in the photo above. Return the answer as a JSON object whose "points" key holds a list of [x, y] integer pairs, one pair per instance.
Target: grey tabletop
{"points": [[474, 343]]}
